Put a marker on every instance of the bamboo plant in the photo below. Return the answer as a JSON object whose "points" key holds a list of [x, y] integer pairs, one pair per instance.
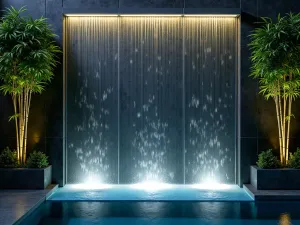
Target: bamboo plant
{"points": [[276, 64], [27, 58]]}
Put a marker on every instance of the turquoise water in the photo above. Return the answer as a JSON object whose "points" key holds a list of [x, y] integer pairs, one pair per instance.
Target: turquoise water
{"points": [[165, 213], [127, 193]]}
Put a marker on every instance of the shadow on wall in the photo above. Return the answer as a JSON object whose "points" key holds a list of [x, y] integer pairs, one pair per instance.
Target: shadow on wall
{"points": [[249, 19]]}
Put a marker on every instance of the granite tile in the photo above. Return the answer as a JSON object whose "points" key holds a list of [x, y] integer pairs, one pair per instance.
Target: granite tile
{"points": [[271, 8], [212, 3], [151, 3], [54, 149], [54, 14], [248, 157], [35, 8], [249, 93], [249, 7], [15, 204], [90, 4], [272, 195]]}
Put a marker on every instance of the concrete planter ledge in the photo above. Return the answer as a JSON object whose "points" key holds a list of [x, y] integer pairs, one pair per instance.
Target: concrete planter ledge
{"points": [[25, 178], [275, 179]]}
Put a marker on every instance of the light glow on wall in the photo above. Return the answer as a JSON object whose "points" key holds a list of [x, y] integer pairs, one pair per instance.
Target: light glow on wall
{"points": [[152, 15], [94, 183]]}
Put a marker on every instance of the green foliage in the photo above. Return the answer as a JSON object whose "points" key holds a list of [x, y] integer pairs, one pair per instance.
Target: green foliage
{"points": [[276, 64], [294, 161], [267, 160], [8, 158], [276, 56], [27, 53], [37, 159]]}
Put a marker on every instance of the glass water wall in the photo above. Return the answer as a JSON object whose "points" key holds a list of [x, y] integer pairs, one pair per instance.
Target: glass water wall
{"points": [[151, 99]]}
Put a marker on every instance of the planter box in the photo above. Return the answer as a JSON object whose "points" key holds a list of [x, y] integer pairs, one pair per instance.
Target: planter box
{"points": [[275, 179], [25, 178]]}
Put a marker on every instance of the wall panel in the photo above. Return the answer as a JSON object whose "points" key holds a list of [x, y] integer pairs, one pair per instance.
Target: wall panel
{"points": [[151, 98], [210, 76], [92, 99]]}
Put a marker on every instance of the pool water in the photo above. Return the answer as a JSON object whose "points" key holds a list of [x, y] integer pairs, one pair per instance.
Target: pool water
{"points": [[129, 193], [165, 213]]}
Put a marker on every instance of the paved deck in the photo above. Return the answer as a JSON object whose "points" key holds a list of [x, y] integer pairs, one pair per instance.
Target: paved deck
{"points": [[128, 193], [17, 204], [272, 195]]}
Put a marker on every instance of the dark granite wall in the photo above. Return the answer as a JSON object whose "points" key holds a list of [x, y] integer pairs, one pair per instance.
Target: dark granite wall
{"points": [[258, 125]]}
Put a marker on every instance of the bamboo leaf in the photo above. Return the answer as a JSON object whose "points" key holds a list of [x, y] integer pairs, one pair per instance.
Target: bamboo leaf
{"points": [[13, 117], [287, 118]]}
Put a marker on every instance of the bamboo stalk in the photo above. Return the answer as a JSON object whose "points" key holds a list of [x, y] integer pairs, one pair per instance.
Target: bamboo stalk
{"points": [[289, 121], [28, 109], [288, 129], [283, 131], [22, 125], [27, 105], [278, 122], [15, 104], [20, 129], [24, 122], [16, 125], [284, 122]]}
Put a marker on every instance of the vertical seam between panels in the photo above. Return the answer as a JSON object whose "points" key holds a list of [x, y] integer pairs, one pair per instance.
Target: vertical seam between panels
{"points": [[183, 95], [119, 116]]}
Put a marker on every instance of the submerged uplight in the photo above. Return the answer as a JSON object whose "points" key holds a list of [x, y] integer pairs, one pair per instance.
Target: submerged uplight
{"points": [[93, 182], [87, 186], [151, 186], [211, 184]]}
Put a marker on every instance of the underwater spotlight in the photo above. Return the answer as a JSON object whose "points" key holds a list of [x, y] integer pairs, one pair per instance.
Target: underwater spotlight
{"points": [[211, 184], [151, 186], [92, 183], [86, 186]]}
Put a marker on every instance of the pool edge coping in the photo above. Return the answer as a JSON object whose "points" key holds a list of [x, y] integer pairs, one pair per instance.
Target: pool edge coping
{"points": [[52, 188]]}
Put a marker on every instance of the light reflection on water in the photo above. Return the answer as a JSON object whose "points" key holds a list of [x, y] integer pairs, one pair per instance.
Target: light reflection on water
{"points": [[285, 219], [162, 213]]}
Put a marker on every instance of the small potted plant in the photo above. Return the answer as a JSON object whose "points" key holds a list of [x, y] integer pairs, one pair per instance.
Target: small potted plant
{"points": [[35, 174], [270, 175], [8, 158]]}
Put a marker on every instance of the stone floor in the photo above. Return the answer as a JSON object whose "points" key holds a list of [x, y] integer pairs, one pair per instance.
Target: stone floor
{"points": [[16, 204], [272, 195]]}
